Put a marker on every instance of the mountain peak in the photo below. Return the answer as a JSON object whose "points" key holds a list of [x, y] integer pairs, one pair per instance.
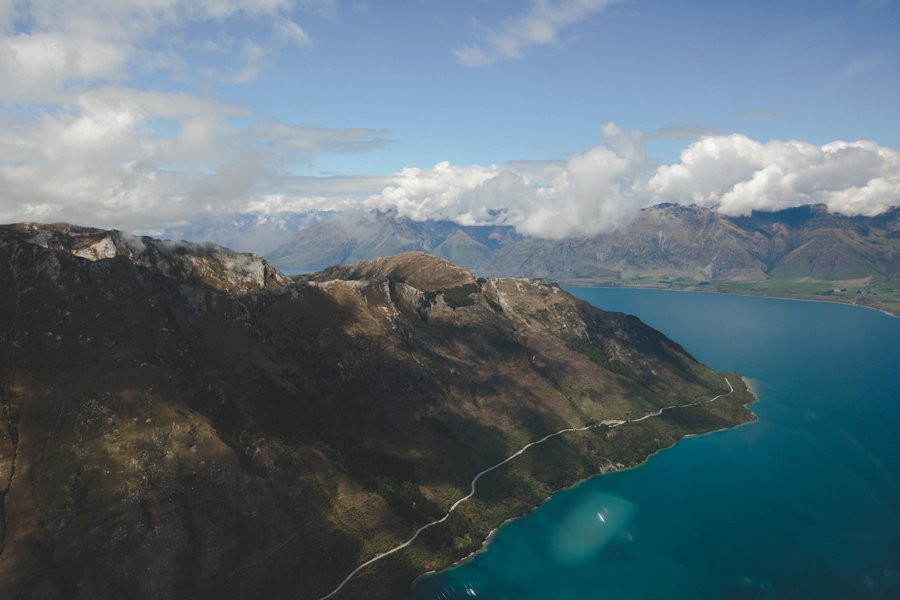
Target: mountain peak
{"points": [[418, 269]]}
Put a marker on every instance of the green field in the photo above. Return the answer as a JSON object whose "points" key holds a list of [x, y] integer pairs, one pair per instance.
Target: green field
{"points": [[883, 295]]}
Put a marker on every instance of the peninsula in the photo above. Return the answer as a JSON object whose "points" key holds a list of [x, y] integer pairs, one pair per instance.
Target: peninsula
{"points": [[181, 420]]}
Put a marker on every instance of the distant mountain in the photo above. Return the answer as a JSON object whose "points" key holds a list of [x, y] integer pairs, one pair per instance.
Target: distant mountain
{"points": [[256, 232], [360, 235], [183, 421], [803, 251]]}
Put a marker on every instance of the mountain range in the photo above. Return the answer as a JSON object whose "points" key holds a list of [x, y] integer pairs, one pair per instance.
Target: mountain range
{"points": [[179, 420], [804, 251], [259, 232]]}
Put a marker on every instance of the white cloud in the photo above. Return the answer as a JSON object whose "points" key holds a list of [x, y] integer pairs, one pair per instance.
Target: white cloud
{"points": [[597, 190], [35, 67], [461, 194], [127, 158], [7, 15], [289, 31], [539, 26], [116, 156], [590, 193], [46, 46], [739, 175], [81, 144]]}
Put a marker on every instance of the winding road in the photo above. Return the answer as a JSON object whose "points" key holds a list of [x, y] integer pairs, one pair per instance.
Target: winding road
{"points": [[610, 424]]}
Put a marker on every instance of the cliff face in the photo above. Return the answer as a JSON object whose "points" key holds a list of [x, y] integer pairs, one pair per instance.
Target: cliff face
{"points": [[184, 421], [197, 265]]}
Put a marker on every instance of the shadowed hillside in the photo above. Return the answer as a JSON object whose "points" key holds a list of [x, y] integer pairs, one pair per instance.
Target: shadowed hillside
{"points": [[184, 421]]}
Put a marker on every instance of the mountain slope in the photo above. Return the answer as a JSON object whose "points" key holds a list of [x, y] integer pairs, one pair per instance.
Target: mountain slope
{"points": [[803, 251], [360, 235], [184, 421]]}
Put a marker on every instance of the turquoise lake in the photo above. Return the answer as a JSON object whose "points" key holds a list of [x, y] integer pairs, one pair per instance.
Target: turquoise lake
{"points": [[804, 503]]}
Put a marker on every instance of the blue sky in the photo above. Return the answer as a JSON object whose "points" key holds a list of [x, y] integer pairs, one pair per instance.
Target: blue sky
{"points": [[816, 71], [567, 114]]}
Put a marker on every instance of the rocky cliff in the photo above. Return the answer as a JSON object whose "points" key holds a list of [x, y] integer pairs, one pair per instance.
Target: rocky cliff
{"points": [[185, 421]]}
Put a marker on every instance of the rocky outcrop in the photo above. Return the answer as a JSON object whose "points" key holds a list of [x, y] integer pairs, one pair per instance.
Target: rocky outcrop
{"points": [[205, 265]]}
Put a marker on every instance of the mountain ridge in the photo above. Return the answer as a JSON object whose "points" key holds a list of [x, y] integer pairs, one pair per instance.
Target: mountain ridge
{"points": [[171, 428], [799, 252]]}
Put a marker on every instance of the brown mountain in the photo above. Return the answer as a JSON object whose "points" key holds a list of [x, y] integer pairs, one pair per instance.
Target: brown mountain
{"points": [[804, 251], [184, 421]]}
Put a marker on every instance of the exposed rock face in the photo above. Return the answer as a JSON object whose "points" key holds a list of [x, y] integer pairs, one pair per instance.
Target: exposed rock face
{"points": [[184, 421], [206, 265]]}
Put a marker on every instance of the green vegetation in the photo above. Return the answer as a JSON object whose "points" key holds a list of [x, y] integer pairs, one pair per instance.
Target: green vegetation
{"points": [[884, 295], [868, 291], [596, 353]]}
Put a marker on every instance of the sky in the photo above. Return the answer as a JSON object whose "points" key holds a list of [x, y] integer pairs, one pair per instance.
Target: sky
{"points": [[560, 117]]}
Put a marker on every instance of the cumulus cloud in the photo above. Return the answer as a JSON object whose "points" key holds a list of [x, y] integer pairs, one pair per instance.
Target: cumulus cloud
{"points": [[461, 194], [83, 142], [738, 175], [96, 164], [93, 150], [594, 193], [589, 193], [598, 190], [124, 157], [539, 26], [93, 163]]}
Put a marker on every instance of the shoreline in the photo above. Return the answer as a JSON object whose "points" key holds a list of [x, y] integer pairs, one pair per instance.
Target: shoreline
{"points": [[522, 450], [489, 537], [609, 286]]}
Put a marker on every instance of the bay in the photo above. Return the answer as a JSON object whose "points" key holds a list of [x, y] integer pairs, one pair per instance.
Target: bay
{"points": [[804, 503]]}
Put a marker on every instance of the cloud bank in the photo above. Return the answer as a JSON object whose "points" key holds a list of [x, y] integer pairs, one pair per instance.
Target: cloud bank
{"points": [[83, 139], [587, 194], [97, 166], [738, 175], [128, 158], [598, 190]]}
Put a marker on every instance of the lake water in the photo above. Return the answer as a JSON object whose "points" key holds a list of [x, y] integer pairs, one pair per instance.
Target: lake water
{"points": [[805, 503]]}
